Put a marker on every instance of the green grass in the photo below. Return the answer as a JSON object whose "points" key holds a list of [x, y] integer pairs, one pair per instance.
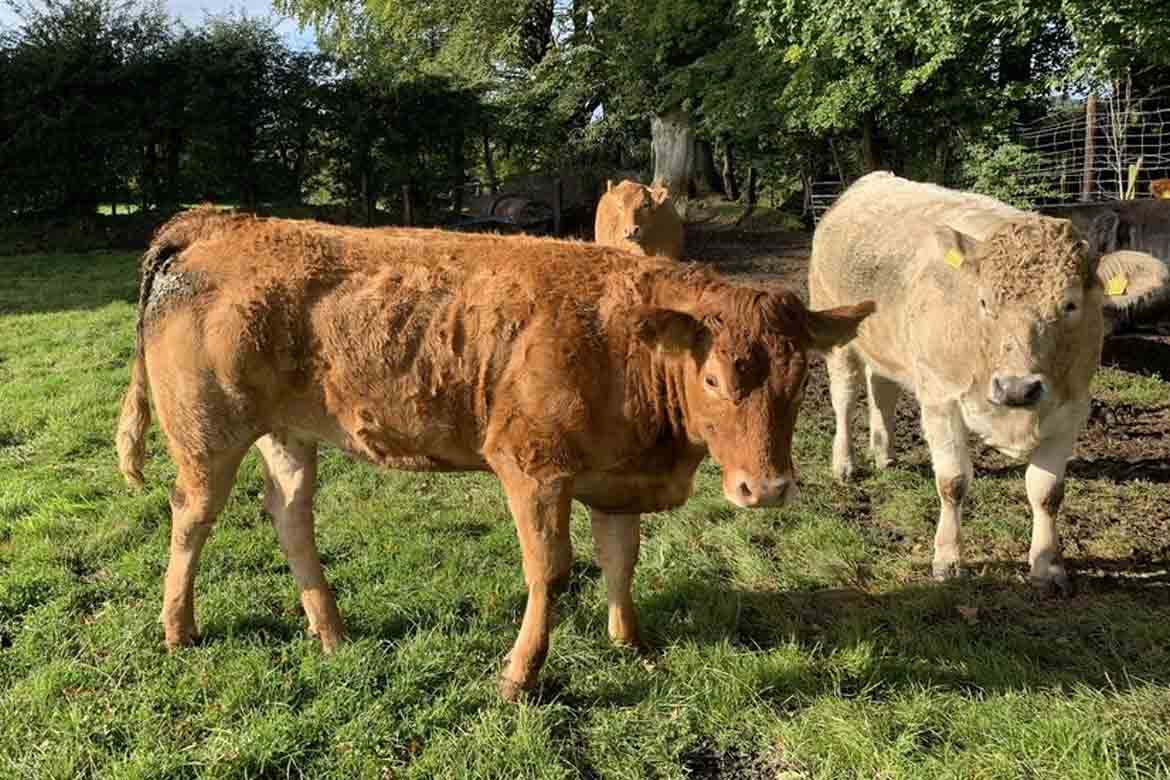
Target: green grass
{"points": [[798, 643]]}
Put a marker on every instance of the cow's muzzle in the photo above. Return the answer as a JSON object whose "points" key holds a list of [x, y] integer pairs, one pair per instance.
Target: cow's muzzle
{"points": [[749, 493], [1018, 391], [634, 233]]}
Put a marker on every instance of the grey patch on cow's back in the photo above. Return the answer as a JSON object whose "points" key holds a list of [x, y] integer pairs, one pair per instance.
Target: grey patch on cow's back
{"points": [[170, 289]]}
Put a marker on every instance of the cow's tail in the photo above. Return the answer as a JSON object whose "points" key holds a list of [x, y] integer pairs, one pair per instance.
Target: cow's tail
{"points": [[133, 423]]}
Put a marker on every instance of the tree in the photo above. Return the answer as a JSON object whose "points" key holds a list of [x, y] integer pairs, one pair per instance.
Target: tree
{"points": [[233, 101], [72, 110]]}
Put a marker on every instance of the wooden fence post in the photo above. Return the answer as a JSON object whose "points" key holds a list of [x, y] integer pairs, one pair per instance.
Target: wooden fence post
{"points": [[407, 207], [1088, 175]]}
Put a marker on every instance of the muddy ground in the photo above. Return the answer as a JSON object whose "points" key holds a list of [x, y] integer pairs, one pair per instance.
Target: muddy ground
{"points": [[1121, 443]]}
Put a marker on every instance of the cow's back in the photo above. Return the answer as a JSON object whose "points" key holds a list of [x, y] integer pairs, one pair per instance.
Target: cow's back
{"points": [[399, 345], [871, 240]]}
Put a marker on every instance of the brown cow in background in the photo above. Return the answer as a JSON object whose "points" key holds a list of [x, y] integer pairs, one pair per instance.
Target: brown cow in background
{"points": [[639, 219], [1160, 188], [568, 369]]}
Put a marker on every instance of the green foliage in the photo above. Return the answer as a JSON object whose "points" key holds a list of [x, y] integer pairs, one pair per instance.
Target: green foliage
{"points": [[71, 111], [1116, 36], [993, 168], [106, 100]]}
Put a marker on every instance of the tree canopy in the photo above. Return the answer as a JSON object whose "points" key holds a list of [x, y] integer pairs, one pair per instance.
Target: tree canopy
{"points": [[106, 97]]}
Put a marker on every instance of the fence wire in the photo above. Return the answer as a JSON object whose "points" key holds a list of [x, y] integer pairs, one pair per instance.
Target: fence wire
{"points": [[1127, 149]]}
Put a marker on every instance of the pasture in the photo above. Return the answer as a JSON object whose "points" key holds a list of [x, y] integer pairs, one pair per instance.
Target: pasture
{"points": [[805, 642]]}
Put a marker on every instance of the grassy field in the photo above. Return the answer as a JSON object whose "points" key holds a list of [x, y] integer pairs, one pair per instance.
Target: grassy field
{"points": [[798, 643]]}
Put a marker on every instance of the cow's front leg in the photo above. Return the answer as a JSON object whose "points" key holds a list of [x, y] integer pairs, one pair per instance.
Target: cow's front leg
{"points": [[946, 434], [844, 383], [616, 539], [1045, 482], [540, 508]]}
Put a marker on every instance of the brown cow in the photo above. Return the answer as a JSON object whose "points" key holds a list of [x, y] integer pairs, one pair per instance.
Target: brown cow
{"points": [[639, 219], [568, 369], [1160, 188]]}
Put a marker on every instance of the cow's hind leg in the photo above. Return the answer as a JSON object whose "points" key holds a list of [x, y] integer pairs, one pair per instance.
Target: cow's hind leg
{"points": [[201, 490], [541, 511], [289, 486], [616, 539], [883, 398], [844, 368], [1045, 483], [947, 436]]}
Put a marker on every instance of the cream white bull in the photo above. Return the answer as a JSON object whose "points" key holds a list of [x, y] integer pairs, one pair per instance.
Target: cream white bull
{"points": [[993, 317]]}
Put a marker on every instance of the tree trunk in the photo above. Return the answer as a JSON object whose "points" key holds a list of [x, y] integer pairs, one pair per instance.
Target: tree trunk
{"points": [[673, 143], [149, 174], [806, 192], [580, 15], [837, 161], [536, 35], [299, 163], [730, 185], [489, 165], [870, 155], [368, 196], [682, 163], [459, 163], [942, 158], [707, 179], [174, 148], [751, 185]]}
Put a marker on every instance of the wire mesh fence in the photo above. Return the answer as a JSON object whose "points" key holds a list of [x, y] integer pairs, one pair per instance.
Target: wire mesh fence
{"points": [[1109, 148]]}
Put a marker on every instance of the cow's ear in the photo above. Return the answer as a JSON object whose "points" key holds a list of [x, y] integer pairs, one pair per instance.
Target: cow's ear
{"points": [[1135, 283], [958, 250], [836, 327], [659, 194], [670, 330]]}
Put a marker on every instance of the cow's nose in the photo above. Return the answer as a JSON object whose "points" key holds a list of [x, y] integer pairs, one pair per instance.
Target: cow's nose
{"points": [[1018, 391], [751, 493]]}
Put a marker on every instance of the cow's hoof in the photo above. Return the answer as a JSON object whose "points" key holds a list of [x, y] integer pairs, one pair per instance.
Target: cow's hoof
{"points": [[179, 635], [330, 640], [950, 570], [630, 645], [512, 691], [175, 644], [843, 472], [1056, 584]]}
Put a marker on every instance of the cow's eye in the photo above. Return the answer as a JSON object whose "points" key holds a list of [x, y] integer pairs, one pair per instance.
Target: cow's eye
{"points": [[1070, 307], [711, 382]]}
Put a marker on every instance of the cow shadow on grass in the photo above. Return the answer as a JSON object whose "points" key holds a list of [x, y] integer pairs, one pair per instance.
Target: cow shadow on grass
{"points": [[39, 284], [989, 633]]}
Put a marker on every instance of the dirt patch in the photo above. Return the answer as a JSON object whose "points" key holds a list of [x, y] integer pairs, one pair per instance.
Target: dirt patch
{"points": [[707, 763]]}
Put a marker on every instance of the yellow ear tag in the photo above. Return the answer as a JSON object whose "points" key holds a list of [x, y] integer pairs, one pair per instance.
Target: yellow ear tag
{"points": [[1117, 285], [954, 258]]}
